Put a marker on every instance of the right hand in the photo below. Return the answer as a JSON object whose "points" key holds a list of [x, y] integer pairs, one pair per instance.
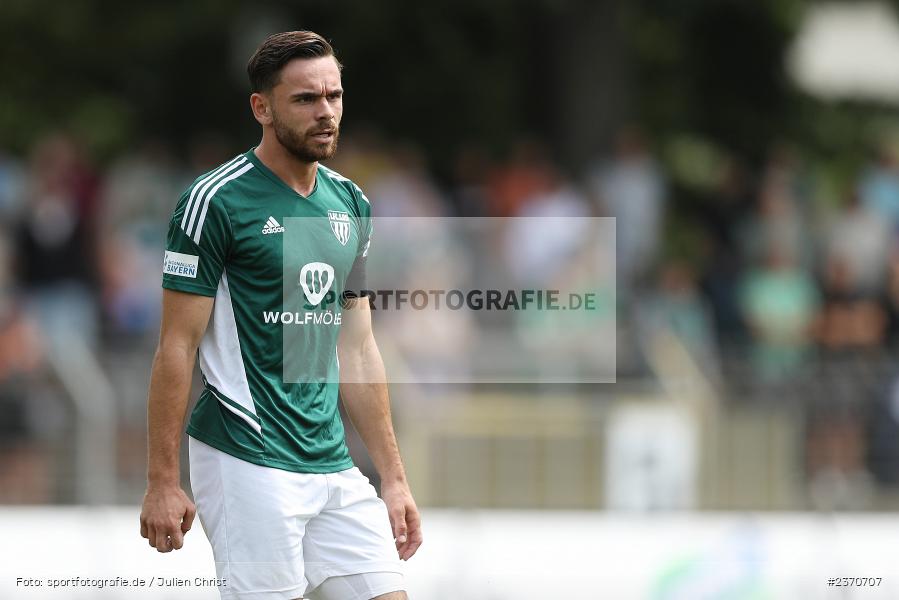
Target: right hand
{"points": [[167, 515]]}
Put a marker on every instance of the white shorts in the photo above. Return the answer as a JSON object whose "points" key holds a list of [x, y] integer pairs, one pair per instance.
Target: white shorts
{"points": [[277, 535]]}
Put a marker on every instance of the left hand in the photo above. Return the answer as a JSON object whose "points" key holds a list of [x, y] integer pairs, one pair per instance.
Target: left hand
{"points": [[404, 518]]}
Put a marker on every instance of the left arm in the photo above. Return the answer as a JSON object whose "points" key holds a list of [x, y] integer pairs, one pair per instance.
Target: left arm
{"points": [[363, 388]]}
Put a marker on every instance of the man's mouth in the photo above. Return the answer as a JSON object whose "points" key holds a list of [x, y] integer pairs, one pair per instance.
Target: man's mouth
{"points": [[324, 136]]}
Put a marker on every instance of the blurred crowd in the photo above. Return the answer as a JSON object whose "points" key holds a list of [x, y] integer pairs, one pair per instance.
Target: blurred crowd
{"points": [[774, 287]]}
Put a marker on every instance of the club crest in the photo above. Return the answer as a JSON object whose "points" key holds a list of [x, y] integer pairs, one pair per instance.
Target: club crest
{"points": [[340, 225]]}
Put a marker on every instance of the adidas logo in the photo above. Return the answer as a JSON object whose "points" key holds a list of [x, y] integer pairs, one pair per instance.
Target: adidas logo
{"points": [[272, 226]]}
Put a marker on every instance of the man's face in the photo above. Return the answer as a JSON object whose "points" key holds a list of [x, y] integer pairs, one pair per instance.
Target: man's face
{"points": [[306, 106]]}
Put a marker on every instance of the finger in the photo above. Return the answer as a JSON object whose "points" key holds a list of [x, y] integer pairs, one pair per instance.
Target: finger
{"points": [[163, 543], [143, 528], [411, 520], [402, 548], [177, 540], [415, 541], [151, 535], [188, 520], [399, 525], [413, 533]]}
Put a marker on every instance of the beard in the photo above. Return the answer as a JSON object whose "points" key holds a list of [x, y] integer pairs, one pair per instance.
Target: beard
{"points": [[303, 146]]}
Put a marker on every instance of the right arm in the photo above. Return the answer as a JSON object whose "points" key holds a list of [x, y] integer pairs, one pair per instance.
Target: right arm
{"points": [[167, 511]]}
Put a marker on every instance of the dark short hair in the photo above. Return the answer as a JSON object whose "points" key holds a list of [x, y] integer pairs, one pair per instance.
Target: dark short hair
{"points": [[264, 68]]}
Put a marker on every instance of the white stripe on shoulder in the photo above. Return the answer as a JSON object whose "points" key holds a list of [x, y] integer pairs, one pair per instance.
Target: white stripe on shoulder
{"points": [[361, 193], [338, 177], [198, 185], [333, 174], [212, 192], [204, 191]]}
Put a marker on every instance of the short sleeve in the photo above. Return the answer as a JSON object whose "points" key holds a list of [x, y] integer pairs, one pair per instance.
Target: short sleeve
{"points": [[365, 222], [197, 246], [356, 282]]}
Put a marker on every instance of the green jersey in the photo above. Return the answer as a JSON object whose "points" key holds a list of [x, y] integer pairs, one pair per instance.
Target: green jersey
{"points": [[274, 261]]}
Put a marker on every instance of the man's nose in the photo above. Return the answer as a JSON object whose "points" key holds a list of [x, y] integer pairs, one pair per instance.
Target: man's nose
{"points": [[324, 109]]}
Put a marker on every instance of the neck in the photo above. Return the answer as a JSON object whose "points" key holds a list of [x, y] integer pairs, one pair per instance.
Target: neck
{"points": [[297, 174]]}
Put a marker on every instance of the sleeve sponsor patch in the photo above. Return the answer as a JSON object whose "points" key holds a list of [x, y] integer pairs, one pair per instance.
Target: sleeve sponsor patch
{"points": [[183, 265]]}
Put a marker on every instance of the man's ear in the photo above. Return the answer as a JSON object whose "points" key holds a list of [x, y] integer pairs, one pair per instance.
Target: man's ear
{"points": [[262, 109]]}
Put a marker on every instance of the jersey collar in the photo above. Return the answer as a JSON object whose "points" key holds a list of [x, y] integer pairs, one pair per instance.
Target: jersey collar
{"points": [[251, 156]]}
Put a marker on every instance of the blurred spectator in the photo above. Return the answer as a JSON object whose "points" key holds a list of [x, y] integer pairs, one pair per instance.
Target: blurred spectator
{"points": [[850, 318], [676, 306], [631, 187], [776, 222], [861, 239], [572, 344], [12, 183], [891, 298], [552, 227], [55, 255], [526, 174], [780, 303], [405, 189], [783, 174], [404, 200], [432, 344], [24, 473], [139, 193], [469, 186], [141, 188], [724, 216], [879, 187]]}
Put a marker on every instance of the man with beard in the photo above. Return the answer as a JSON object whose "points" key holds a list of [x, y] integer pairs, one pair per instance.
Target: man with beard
{"points": [[262, 260]]}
